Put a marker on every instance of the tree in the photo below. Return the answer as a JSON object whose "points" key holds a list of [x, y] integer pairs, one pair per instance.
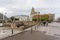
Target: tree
{"points": [[34, 19], [16, 18], [44, 17], [12, 18]]}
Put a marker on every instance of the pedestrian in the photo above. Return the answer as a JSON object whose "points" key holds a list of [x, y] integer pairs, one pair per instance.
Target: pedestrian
{"points": [[44, 23], [41, 23]]}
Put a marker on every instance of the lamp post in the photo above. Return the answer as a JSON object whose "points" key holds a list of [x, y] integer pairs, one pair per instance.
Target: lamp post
{"points": [[37, 20], [3, 17], [12, 25], [6, 17]]}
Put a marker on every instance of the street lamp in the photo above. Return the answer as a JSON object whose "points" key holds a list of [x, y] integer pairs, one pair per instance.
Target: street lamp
{"points": [[6, 17], [3, 17]]}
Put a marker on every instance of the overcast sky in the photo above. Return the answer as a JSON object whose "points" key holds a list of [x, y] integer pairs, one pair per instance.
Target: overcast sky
{"points": [[20, 7]]}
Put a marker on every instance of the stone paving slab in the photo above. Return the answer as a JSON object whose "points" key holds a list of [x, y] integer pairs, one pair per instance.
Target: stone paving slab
{"points": [[35, 35]]}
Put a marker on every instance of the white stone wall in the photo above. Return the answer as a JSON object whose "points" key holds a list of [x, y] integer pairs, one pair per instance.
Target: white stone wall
{"points": [[23, 18]]}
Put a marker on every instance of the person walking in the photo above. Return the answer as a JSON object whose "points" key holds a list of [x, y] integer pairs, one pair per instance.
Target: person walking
{"points": [[46, 23]]}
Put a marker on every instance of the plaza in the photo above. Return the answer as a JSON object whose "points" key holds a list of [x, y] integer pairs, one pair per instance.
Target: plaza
{"points": [[50, 32]]}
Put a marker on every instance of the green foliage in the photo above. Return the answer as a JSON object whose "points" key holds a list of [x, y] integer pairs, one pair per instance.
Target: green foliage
{"points": [[43, 19], [12, 18], [49, 21], [16, 19], [34, 19]]}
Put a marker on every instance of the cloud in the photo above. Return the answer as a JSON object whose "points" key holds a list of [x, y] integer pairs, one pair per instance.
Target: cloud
{"points": [[19, 7]]}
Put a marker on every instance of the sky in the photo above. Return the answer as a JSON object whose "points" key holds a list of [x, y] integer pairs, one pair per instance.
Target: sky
{"points": [[23, 7]]}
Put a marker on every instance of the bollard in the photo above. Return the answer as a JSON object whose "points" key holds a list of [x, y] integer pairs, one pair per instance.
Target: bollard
{"points": [[12, 31], [35, 27], [31, 29]]}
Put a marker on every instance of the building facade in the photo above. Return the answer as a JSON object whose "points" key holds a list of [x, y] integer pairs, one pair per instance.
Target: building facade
{"points": [[38, 15], [3, 18], [33, 13], [22, 17], [51, 17]]}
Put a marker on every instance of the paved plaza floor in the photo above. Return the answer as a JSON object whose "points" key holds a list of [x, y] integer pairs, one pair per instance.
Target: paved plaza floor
{"points": [[53, 29], [6, 32], [50, 32], [35, 35]]}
